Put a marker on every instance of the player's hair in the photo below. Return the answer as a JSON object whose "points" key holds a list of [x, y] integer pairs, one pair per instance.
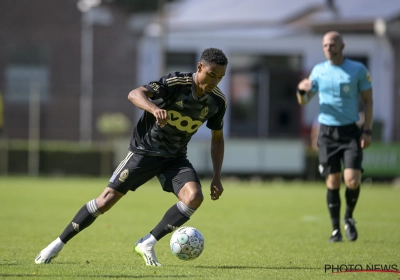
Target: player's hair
{"points": [[213, 55]]}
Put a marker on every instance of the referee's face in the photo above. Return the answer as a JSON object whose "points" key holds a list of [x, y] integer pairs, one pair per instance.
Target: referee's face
{"points": [[209, 75], [332, 46]]}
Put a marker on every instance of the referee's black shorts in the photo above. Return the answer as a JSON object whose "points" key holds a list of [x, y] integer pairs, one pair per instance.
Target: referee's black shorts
{"points": [[135, 170], [339, 145]]}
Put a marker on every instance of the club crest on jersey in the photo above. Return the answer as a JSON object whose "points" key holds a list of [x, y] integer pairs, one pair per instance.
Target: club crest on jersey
{"points": [[124, 175], [204, 112]]}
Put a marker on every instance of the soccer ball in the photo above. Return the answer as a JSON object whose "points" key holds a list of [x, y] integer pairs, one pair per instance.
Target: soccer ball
{"points": [[187, 243]]}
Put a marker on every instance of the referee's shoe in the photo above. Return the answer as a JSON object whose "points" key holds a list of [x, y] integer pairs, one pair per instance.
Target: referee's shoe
{"points": [[350, 227], [336, 236]]}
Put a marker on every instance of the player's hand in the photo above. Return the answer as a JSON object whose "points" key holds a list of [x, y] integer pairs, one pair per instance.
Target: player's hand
{"points": [[216, 189], [365, 141], [161, 117], [305, 85]]}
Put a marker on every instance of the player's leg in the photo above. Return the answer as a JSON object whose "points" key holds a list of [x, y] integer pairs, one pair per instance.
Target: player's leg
{"points": [[190, 198], [330, 155], [352, 178], [333, 201], [352, 159], [90, 211], [187, 188], [83, 219]]}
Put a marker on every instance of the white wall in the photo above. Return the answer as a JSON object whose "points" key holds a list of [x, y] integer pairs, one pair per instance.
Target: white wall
{"points": [[266, 157], [263, 157]]}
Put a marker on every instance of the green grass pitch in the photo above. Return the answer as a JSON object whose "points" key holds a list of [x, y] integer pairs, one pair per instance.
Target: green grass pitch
{"points": [[257, 230]]}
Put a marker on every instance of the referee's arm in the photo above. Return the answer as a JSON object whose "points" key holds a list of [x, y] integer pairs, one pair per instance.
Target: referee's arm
{"points": [[368, 108], [304, 93]]}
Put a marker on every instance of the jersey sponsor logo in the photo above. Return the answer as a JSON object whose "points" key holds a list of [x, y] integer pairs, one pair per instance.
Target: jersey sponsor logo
{"points": [[183, 123], [180, 103], [204, 112], [124, 175], [346, 88], [156, 87]]}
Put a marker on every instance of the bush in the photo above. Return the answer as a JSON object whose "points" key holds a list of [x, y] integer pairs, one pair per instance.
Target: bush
{"points": [[58, 158]]}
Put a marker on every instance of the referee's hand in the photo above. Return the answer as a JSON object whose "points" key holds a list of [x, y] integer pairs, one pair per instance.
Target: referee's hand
{"points": [[365, 141], [305, 85]]}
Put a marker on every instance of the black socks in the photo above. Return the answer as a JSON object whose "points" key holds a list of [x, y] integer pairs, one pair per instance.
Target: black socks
{"points": [[84, 218], [176, 216], [333, 200], [351, 201]]}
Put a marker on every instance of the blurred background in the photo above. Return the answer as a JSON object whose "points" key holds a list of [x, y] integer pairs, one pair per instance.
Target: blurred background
{"points": [[67, 66]]}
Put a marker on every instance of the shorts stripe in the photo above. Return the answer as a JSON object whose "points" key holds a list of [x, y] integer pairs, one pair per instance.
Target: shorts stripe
{"points": [[122, 164]]}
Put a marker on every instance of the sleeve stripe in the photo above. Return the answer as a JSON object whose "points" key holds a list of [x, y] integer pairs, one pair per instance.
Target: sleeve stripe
{"points": [[179, 83], [174, 80], [219, 93]]}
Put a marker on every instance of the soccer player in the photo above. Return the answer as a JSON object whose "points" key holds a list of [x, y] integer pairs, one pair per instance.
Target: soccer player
{"points": [[174, 107], [339, 82]]}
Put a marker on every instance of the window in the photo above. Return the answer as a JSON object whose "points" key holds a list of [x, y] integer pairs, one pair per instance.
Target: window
{"points": [[262, 96], [182, 62], [21, 79]]}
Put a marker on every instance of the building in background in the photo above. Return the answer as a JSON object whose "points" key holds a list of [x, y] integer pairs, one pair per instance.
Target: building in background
{"points": [[62, 53], [42, 45], [271, 48]]}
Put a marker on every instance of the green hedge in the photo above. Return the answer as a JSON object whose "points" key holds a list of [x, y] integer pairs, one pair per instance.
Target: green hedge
{"points": [[58, 158]]}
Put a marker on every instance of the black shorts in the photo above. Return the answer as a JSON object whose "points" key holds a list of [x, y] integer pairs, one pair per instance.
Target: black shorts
{"points": [[337, 145], [135, 170]]}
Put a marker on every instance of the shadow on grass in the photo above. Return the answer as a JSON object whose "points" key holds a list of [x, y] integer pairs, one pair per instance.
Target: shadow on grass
{"points": [[257, 267], [52, 276]]}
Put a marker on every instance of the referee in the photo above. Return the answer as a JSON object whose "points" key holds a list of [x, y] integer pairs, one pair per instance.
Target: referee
{"points": [[339, 83]]}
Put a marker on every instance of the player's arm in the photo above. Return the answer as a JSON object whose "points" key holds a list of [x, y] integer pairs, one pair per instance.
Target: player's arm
{"points": [[369, 114], [140, 98], [304, 93], [217, 157]]}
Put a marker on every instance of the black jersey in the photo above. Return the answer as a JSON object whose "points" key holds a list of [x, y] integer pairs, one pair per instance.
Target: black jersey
{"points": [[176, 93]]}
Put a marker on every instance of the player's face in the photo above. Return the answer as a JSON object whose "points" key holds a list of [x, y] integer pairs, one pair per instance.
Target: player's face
{"points": [[332, 46], [209, 76]]}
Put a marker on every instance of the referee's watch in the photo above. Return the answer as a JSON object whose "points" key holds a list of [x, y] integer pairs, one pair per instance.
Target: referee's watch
{"points": [[367, 132], [301, 92]]}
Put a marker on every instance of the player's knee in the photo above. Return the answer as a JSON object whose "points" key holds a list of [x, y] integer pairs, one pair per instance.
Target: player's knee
{"points": [[333, 181], [352, 183], [193, 198], [191, 195]]}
